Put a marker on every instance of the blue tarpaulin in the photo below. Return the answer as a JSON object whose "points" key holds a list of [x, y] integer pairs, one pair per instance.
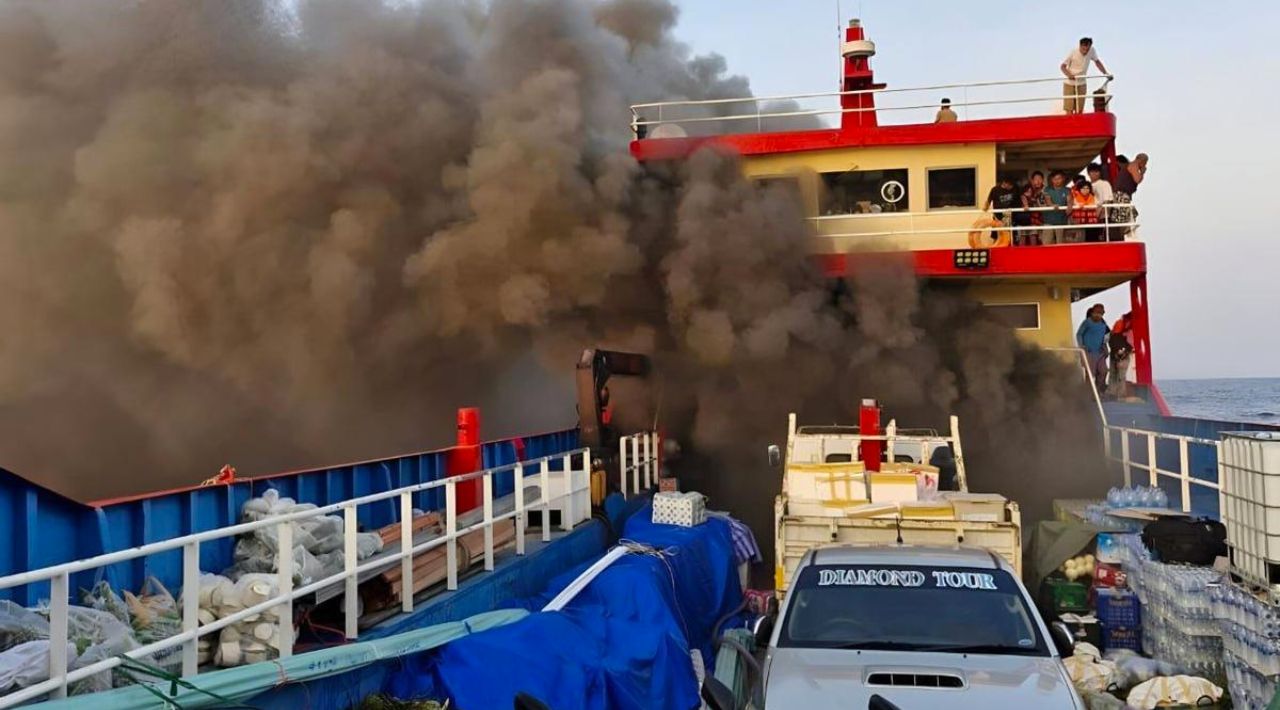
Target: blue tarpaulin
{"points": [[623, 642]]}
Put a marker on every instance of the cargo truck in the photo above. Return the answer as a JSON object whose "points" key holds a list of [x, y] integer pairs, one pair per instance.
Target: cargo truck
{"points": [[867, 485]]}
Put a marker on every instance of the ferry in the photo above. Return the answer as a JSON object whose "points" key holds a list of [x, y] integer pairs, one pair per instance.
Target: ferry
{"points": [[529, 571]]}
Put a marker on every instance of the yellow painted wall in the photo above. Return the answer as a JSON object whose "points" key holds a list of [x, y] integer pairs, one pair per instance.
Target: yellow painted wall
{"points": [[1056, 329], [806, 166]]}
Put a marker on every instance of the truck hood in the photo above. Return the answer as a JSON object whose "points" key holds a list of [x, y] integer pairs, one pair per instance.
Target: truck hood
{"points": [[816, 679]]}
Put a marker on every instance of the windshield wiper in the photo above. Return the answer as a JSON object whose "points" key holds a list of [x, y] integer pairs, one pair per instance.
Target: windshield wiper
{"points": [[979, 648], [879, 646]]}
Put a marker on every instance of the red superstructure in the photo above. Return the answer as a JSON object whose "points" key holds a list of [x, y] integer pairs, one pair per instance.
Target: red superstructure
{"points": [[1002, 132]]}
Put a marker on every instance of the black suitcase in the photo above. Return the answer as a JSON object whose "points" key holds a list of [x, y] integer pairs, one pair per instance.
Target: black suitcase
{"points": [[1196, 542]]}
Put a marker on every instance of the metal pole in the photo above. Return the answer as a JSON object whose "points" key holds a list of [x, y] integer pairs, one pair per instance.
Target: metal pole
{"points": [[1124, 456], [350, 595], [1184, 469], [451, 533], [59, 601], [635, 464], [647, 452], [406, 544], [622, 466], [488, 521], [191, 607], [544, 478], [284, 583], [1151, 459], [585, 492], [520, 515], [962, 480], [567, 512]]}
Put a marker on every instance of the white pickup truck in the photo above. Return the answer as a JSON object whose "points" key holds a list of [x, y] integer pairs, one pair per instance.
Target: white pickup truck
{"points": [[832, 495]]}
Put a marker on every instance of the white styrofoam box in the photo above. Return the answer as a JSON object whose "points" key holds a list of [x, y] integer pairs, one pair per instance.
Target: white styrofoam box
{"points": [[822, 508], [892, 487], [1250, 466], [926, 476], [985, 507], [684, 509], [825, 481]]}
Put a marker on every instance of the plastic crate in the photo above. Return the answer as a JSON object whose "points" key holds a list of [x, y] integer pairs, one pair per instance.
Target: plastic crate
{"points": [[1066, 597], [1118, 608], [1114, 637]]}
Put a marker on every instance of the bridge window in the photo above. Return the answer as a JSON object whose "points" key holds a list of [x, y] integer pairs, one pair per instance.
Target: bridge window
{"points": [[953, 187], [1019, 316], [864, 192]]}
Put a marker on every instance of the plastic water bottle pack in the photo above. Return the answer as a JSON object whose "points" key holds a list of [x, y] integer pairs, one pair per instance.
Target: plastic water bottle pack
{"points": [[1250, 628], [1178, 619], [1137, 497], [1250, 690]]}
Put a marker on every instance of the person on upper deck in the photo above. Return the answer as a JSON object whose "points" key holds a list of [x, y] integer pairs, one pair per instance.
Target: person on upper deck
{"points": [[1091, 336], [1104, 195], [1128, 178], [945, 114], [1131, 174], [1084, 211], [1032, 196], [1057, 195], [1003, 196], [1075, 67]]}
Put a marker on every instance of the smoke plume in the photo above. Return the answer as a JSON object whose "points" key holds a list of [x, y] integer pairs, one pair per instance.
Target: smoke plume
{"points": [[285, 233]]}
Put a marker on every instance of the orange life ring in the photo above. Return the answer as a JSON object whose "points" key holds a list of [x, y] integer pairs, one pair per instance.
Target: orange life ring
{"points": [[979, 239]]}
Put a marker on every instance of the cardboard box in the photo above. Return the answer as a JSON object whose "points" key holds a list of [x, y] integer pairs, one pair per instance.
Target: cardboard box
{"points": [[977, 507], [670, 484]]}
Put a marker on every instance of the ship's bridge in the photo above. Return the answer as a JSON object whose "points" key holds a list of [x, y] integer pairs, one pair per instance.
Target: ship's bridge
{"points": [[885, 169]]}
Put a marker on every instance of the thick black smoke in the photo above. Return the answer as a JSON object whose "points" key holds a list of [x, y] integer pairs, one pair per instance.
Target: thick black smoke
{"points": [[280, 234]]}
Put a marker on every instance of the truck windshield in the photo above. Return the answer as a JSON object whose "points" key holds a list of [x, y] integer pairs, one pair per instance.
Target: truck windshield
{"points": [[940, 609]]}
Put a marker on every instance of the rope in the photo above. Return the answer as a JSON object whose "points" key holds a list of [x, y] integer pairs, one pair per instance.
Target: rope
{"points": [[128, 666], [639, 548]]}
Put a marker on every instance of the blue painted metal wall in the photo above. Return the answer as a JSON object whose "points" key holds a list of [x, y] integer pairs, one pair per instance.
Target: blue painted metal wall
{"points": [[39, 528]]}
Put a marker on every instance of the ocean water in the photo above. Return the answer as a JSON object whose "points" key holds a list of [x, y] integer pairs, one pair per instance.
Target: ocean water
{"points": [[1246, 399]]}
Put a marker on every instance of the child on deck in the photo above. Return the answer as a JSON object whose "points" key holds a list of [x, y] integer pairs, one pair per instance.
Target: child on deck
{"points": [[1084, 211]]}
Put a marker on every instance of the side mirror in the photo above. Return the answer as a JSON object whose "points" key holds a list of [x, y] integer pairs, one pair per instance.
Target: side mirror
{"points": [[1063, 639], [716, 695], [762, 629], [878, 702], [775, 456], [524, 701]]}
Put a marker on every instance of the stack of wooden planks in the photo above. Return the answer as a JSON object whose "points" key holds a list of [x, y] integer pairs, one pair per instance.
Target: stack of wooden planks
{"points": [[429, 567], [391, 534]]}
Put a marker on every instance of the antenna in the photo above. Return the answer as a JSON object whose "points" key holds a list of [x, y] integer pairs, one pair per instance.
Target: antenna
{"points": [[839, 46]]}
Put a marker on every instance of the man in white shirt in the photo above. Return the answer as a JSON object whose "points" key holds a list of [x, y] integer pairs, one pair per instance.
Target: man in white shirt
{"points": [[1074, 67]]}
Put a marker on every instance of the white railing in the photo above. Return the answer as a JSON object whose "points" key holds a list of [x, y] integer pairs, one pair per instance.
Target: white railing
{"points": [[1147, 440], [661, 112], [638, 461], [570, 483], [1104, 211], [1083, 357]]}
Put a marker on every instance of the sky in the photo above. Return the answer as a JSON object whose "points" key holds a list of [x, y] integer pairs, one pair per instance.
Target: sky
{"points": [[1194, 90]]}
